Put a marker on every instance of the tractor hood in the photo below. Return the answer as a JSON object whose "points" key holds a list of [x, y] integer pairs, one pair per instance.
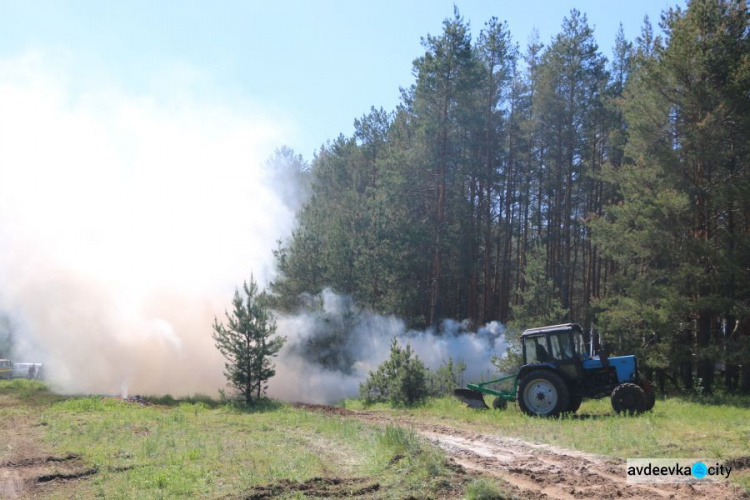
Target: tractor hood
{"points": [[623, 365]]}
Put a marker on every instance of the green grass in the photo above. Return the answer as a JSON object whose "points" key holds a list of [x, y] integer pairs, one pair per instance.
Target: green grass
{"points": [[713, 427], [197, 447], [181, 451], [675, 428], [27, 392], [169, 400], [482, 489], [201, 449]]}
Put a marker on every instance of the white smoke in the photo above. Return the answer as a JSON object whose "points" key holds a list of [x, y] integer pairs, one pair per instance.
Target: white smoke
{"points": [[331, 349], [126, 221]]}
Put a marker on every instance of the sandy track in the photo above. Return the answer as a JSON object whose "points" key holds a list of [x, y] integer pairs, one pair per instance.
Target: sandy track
{"points": [[539, 471]]}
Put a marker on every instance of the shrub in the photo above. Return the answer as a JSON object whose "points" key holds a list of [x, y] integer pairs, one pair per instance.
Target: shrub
{"points": [[449, 376], [402, 379]]}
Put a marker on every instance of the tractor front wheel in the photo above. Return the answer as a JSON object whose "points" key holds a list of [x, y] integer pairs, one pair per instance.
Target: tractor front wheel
{"points": [[629, 398], [650, 399], [650, 394], [543, 393]]}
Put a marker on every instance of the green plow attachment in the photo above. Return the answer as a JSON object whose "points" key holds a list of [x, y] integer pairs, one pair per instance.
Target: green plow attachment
{"points": [[474, 399], [473, 395]]}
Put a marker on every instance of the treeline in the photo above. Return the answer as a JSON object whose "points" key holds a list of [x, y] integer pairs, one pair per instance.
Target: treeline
{"points": [[553, 184]]}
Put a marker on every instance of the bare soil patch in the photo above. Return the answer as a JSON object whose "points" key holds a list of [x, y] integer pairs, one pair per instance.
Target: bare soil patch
{"points": [[540, 471], [738, 462], [27, 468], [321, 487]]}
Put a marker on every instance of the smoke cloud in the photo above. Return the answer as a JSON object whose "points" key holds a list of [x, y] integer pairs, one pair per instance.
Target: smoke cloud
{"points": [[126, 222], [333, 345]]}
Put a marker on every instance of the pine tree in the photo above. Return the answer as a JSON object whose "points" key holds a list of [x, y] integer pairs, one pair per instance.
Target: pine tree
{"points": [[570, 82], [248, 342], [677, 235], [497, 56], [441, 101], [401, 379], [289, 174]]}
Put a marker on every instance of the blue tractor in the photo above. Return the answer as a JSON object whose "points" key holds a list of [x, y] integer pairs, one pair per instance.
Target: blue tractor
{"points": [[558, 372]]}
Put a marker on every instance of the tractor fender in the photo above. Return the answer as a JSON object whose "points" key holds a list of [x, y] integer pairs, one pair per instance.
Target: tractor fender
{"points": [[536, 366]]}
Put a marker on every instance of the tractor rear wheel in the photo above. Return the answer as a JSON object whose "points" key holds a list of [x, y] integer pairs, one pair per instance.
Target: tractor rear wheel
{"points": [[499, 403], [543, 393], [629, 398]]}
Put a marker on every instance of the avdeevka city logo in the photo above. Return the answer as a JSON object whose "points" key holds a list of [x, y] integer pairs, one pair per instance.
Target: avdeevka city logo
{"points": [[669, 470], [699, 470]]}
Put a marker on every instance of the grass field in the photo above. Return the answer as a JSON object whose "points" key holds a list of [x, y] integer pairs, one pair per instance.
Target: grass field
{"points": [[198, 448], [192, 450], [711, 427], [675, 428]]}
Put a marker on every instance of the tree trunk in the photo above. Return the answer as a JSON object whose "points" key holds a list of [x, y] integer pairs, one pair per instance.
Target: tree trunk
{"points": [[745, 377], [437, 266], [705, 366]]}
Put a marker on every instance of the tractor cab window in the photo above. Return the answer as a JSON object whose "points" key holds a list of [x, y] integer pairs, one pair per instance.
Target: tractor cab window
{"points": [[536, 349], [562, 345], [579, 343]]}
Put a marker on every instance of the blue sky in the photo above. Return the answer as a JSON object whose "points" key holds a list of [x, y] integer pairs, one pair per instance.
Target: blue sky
{"points": [[313, 66]]}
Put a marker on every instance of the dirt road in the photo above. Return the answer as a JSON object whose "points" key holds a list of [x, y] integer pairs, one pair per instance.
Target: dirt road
{"points": [[539, 471]]}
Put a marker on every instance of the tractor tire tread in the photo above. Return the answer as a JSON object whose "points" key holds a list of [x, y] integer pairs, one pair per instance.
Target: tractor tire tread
{"points": [[629, 398]]}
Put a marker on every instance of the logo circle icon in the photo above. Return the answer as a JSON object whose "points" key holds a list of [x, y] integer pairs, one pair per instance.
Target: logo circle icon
{"points": [[699, 470]]}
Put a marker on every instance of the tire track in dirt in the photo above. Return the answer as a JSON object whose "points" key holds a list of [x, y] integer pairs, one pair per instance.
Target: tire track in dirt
{"points": [[11, 484], [27, 468], [537, 470]]}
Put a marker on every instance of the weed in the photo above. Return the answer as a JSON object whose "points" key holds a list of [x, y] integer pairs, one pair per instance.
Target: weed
{"points": [[165, 400], [29, 392], [719, 399], [400, 440], [482, 489], [169, 400], [88, 404], [260, 405]]}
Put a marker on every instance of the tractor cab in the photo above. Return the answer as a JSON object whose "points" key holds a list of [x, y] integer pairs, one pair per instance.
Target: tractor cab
{"points": [[562, 347]]}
